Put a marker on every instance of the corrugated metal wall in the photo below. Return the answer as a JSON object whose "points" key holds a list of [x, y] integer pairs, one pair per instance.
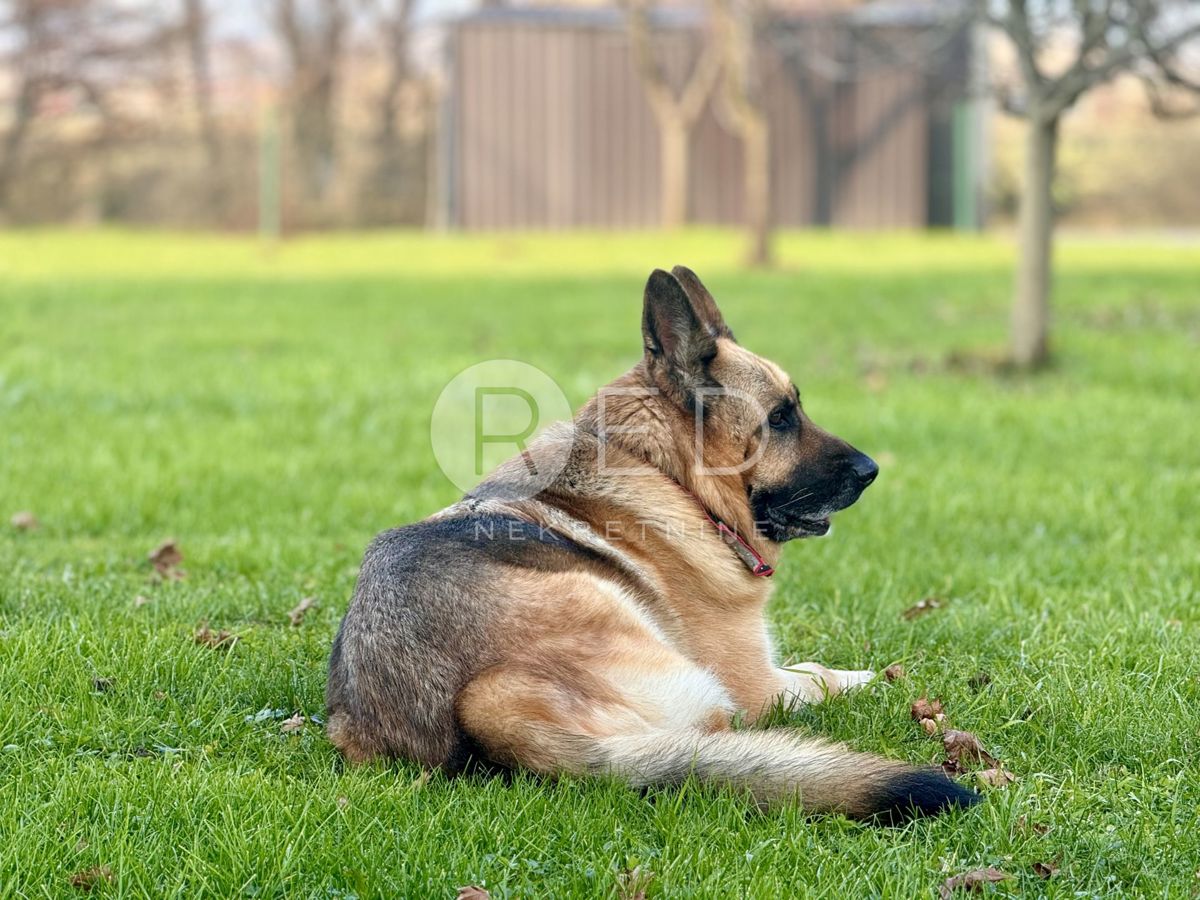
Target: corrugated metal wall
{"points": [[550, 128]]}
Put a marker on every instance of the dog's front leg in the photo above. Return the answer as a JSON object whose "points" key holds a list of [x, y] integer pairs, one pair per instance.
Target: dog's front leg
{"points": [[810, 682]]}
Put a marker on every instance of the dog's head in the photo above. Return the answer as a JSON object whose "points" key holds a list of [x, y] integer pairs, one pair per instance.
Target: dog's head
{"points": [[750, 421]]}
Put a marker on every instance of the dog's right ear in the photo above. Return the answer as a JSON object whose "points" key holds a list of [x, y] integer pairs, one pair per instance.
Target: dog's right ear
{"points": [[674, 335]]}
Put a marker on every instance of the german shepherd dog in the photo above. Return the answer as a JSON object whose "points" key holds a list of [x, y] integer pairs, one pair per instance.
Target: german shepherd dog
{"points": [[611, 619]]}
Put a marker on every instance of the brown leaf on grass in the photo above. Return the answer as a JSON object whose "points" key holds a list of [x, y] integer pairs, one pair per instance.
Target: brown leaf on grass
{"points": [[979, 680], [295, 723], [140, 600], [166, 558], [964, 747], [160, 695], [217, 640], [297, 613], [1023, 824], [632, 884], [997, 777], [471, 892], [926, 709], [894, 672], [1045, 869], [930, 726], [89, 878], [971, 881], [928, 605], [24, 521]]}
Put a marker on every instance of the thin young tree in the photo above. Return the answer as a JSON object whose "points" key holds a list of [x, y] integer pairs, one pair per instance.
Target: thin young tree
{"points": [[676, 112], [1063, 50], [736, 30], [196, 34]]}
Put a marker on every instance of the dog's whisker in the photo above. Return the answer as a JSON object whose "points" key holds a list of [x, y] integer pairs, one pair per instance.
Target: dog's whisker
{"points": [[796, 498]]}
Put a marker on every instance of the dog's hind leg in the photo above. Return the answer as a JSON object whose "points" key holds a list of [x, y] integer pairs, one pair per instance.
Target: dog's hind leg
{"points": [[529, 719]]}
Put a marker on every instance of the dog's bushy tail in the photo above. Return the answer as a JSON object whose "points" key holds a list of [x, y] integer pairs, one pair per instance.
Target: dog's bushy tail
{"points": [[784, 766]]}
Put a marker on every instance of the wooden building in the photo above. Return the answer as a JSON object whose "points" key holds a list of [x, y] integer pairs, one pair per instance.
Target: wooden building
{"points": [[546, 124]]}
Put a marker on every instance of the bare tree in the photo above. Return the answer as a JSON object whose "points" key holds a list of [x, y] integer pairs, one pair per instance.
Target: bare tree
{"points": [[827, 56], [398, 187], [195, 30], [1105, 38], [313, 35], [736, 25], [675, 112], [80, 50], [394, 20]]}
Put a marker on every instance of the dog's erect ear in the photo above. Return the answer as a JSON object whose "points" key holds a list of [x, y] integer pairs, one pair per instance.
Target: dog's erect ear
{"points": [[674, 335], [702, 302]]}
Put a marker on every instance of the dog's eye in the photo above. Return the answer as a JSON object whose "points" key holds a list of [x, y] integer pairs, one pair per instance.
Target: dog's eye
{"points": [[782, 418]]}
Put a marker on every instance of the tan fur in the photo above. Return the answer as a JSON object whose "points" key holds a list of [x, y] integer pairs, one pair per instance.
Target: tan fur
{"points": [[635, 660]]}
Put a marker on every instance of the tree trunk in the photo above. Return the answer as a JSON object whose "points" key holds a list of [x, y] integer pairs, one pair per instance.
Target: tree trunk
{"points": [[197, 37], [24, 110], [756, 178], [1035, 232], [673, 155]]}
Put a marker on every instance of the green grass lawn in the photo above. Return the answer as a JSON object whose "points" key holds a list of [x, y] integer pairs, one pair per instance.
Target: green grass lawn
{"points": [[270, 411]]}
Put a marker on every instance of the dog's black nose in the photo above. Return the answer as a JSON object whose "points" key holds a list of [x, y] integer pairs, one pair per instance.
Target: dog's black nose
{"points": [[864, 468]]}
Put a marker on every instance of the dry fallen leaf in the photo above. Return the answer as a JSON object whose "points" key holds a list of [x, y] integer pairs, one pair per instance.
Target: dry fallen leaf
{"points": [[964, 747], [140, 600], [89, 878], [929, 604], [296, 615], [997, 777], [979, 680], [926, 709], [218, 640], [632, 884], [1045, 869], [160, 695], [930, 726], [1023, 824], [471, 892], [295, 723], [166, 558], [972, 881], [24, 521], [894, 672]]}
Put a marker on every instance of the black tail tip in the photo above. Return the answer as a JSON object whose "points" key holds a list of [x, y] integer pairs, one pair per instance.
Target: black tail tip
{"points": [[919, 792]]}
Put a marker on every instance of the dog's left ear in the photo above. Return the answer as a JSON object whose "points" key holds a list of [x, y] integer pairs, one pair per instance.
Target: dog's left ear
{"points": [[703, 302], [677, 342]]}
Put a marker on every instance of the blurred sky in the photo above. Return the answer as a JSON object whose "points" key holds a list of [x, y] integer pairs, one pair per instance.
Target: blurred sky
{"points": [[248, 20]]}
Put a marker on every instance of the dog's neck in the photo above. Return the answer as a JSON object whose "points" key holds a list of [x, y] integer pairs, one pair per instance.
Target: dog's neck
{"points": [[635, 416]]}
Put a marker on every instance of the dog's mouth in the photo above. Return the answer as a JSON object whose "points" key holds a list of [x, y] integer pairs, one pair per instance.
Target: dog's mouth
{"points": [[813, 527], [798, 527]]}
